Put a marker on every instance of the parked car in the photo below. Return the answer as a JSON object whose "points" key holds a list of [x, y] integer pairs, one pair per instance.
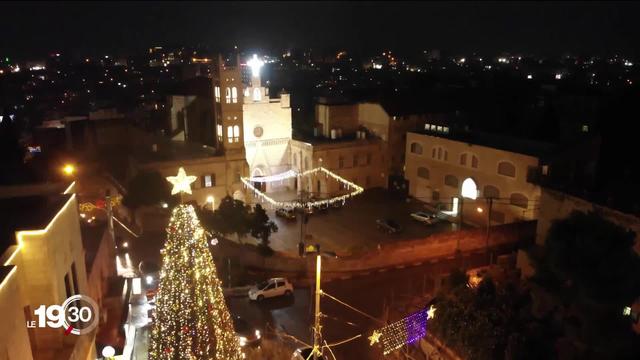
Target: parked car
{"points": [[247, 334], [304, 354], [389, 226], [286, 213], [426, 217], [271, 288]]}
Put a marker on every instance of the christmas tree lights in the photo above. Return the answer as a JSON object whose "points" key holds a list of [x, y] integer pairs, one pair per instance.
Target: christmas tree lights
{"points": [[192, 319]]}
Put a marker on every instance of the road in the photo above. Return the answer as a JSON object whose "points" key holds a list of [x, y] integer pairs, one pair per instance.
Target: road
{"points": [[367, 293]]}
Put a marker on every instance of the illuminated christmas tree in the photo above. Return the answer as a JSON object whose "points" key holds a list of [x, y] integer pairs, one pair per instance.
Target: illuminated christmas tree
{"points": [[192, 319]]}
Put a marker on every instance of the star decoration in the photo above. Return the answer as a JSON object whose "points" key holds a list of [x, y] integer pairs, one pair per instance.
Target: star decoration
{"points": [[431, 313], [182, 182], [375, 337]]}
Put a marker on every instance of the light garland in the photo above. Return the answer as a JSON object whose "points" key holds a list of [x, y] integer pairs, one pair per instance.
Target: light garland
{"points": [[192, 322], [100, 204], [404, 331], [298, 204], [271, 178]]}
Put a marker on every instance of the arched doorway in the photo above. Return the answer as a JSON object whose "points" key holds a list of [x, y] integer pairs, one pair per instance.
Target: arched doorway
{"points": [[469, 189], [257, 173]]}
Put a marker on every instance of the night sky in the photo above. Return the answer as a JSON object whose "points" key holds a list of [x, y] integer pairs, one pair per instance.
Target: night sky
{"points": [[550, 28]]}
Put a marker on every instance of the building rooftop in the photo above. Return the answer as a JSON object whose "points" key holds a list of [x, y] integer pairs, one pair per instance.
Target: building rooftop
{"points": [[174, 150], [27, 213], [347, 140], [497, 141]]}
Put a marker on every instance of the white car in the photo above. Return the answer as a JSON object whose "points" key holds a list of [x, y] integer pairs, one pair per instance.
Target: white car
{"points": [[271, 288], [426, 217]]}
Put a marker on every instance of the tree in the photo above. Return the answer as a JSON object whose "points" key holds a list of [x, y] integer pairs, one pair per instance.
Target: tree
{"points": [[261, 226], [192, 319], [145, 189], [232, 216], [594, 258]]}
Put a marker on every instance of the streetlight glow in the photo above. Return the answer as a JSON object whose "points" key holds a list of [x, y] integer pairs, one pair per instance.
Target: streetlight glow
{"points": [[69, 169]]}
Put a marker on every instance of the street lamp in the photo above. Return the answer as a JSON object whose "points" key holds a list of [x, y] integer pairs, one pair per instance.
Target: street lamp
{"points": [[108, 352], [69, 169], [210, 201]]}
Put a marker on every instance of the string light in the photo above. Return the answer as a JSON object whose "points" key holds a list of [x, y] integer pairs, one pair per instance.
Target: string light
{"points": [[192, 319], [356, 189], [405, 331]]}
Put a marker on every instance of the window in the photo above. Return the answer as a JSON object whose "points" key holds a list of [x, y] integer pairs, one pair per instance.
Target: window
{"points": [[219, 131], [433, 153], [451, 180], [234, 94], [507, 169], [227, 95], [491, 191], [423, 173], [208, 180], [427, 126], [236, 133], [445, 129], [256, 94], [467, 159], [416, 148], [230, 133], [446, 155], [439, 153], [340, 162], [217, 92], [519, 200], [435, 195], [585, 128]]}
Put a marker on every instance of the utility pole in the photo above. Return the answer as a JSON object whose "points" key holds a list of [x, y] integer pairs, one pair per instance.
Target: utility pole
{"points": [[317, 328], [489, 253]]}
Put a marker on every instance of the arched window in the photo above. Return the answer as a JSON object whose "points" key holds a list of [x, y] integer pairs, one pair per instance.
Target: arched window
{"points": [[236, 133], [506, 168], [257, 96], [519, 200], [451, 180], [469, 189], [423, 172], [433, 153], [227, 95], [491, 191], [439, 153], [234, 94], [467, 159], [246, 92], [230, 133], [416, 148], [217, 93]]}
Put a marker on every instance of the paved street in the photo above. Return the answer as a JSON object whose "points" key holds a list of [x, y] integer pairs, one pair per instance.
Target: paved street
{"points": [[368, 293], [352, 228]]}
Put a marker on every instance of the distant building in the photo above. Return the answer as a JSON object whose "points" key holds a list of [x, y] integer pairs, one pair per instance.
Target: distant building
{"points": [[460, 173]]}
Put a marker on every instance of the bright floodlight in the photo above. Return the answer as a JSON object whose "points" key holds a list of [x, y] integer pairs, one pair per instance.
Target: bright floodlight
{"points": [[255, 64], [69, 169], [469, 189], [149, 279], [210, 199]]}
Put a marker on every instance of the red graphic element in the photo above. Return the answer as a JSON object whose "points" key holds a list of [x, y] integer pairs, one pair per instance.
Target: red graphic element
{"points": [[69, 330], [100, 204]]}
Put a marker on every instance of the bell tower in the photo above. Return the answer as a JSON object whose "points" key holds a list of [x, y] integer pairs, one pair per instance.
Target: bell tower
{"points": [[228, 92]]}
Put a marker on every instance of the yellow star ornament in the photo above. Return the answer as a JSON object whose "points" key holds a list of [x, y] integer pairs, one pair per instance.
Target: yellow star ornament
{"points": [[375, 337], [182, 182], [431, 313]]}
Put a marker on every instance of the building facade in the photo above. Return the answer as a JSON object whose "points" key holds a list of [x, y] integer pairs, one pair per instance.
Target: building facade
{"points": [[441, 170], [42, 264]]}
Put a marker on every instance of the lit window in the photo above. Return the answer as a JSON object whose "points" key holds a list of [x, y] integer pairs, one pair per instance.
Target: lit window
{"points": [[234, 94], [439, 128], [257, 96], [236, 133], [217, 91], [209, 180], [230, 134], [585, 128], [445, 129], [246, 92], [227, 95], [219, 128], [433, 127], [427, 126]]}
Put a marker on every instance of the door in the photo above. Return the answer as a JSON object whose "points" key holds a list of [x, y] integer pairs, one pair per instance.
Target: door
{"points": [[270, 290]]}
